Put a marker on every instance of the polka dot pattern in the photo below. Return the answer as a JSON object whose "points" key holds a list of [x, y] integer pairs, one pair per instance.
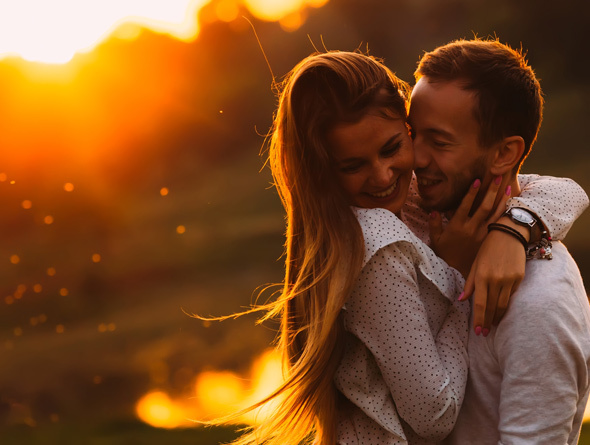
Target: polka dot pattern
{"points": [[558, 202], [404, 368]]}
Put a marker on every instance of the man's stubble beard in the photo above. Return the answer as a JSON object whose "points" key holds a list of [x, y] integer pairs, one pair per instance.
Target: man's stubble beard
{"points": [[460, 185]]}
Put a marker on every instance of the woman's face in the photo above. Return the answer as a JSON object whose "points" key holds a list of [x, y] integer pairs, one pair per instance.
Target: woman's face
{"points": [[374, 160]]}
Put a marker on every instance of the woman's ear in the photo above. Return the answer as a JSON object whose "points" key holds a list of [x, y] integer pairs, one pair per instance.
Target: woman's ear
{"points": [[507, 155]]}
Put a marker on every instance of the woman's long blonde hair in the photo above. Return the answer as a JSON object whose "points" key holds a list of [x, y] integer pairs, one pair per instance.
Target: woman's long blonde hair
{"points": [[324, 244]]}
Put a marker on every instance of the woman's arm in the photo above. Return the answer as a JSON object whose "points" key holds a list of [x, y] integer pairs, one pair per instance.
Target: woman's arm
{"points": [[494, 276], [425, 373], [557, 202]]}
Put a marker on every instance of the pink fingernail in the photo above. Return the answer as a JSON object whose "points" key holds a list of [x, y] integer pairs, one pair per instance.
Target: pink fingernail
{"points": [[498, 180], [476, 183], [461, 296], [485, 332], [477, 330], [508, 190]]}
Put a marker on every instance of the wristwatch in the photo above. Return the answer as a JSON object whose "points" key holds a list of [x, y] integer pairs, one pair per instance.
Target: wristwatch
{"points": [[521, 216]]}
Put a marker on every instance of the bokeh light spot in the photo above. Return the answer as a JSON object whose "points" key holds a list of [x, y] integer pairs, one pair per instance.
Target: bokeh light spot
{"points": [[164, 191], [221, 392], [14, 259], [3, 177], [156, 409], [18, 332], [26, 204], [180, 230], [51, 271], [63, 292], [292, 22], [48, 219], [227, 10], [60, 329], [96, 258], [37, 288], [9, 299], [68, 187]]}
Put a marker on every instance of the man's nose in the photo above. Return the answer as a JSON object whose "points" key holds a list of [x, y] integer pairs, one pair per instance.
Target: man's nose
{"points": [[421, 154]]}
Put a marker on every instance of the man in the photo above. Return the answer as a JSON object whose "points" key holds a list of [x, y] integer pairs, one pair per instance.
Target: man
{"points": [[475, 113]]}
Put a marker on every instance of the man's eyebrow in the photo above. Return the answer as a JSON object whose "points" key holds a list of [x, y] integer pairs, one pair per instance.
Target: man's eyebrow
{"points": [[438, 132]]}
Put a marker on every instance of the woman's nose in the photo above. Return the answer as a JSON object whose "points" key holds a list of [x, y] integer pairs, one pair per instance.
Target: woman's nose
{"points": [[382, 174]]}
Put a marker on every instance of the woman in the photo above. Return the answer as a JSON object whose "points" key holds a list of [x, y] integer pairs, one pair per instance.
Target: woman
{"points": [[391, 366]]}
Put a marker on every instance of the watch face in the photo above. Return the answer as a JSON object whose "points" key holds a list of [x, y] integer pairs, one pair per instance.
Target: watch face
{"points": [[521, 215]]}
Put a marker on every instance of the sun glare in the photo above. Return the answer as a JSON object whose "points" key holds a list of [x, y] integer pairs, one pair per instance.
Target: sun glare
{"points": [[53, 31], [216, 394]]}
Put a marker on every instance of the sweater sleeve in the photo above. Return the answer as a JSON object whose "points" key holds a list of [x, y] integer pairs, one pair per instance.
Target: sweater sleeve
{"points": [[424, 373], [558, 202]]}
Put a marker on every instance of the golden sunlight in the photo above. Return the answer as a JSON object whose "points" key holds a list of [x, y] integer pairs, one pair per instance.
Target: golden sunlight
{"points": [[53, 31], [156, 409], [218, 393]]}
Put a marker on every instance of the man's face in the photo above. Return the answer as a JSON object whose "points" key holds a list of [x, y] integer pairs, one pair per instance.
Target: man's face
{"points": [[448, 156]]}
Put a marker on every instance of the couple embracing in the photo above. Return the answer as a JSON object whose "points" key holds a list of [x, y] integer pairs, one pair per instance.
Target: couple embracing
{"points": [[427, 296]]}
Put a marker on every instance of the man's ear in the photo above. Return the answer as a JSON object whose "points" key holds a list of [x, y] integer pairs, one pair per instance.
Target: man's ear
{"points": [[507, 155]]}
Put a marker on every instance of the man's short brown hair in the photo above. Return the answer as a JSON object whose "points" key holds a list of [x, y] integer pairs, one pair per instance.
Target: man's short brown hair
{"points": [[510, 101]]}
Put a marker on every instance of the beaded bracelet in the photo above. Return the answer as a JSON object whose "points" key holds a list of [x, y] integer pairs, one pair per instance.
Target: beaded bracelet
{"points": [[509, 230], [541, 250]]}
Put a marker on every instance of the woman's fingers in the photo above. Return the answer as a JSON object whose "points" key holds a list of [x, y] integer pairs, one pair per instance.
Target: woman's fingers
{"points": [[504, 300], [501, 208], [469, 286], [487, 205], [467, 202], [480, 297]]}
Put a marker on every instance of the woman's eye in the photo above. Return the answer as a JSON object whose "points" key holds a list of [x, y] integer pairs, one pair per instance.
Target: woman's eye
{"points": [[391, 150], [352, 168]]}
